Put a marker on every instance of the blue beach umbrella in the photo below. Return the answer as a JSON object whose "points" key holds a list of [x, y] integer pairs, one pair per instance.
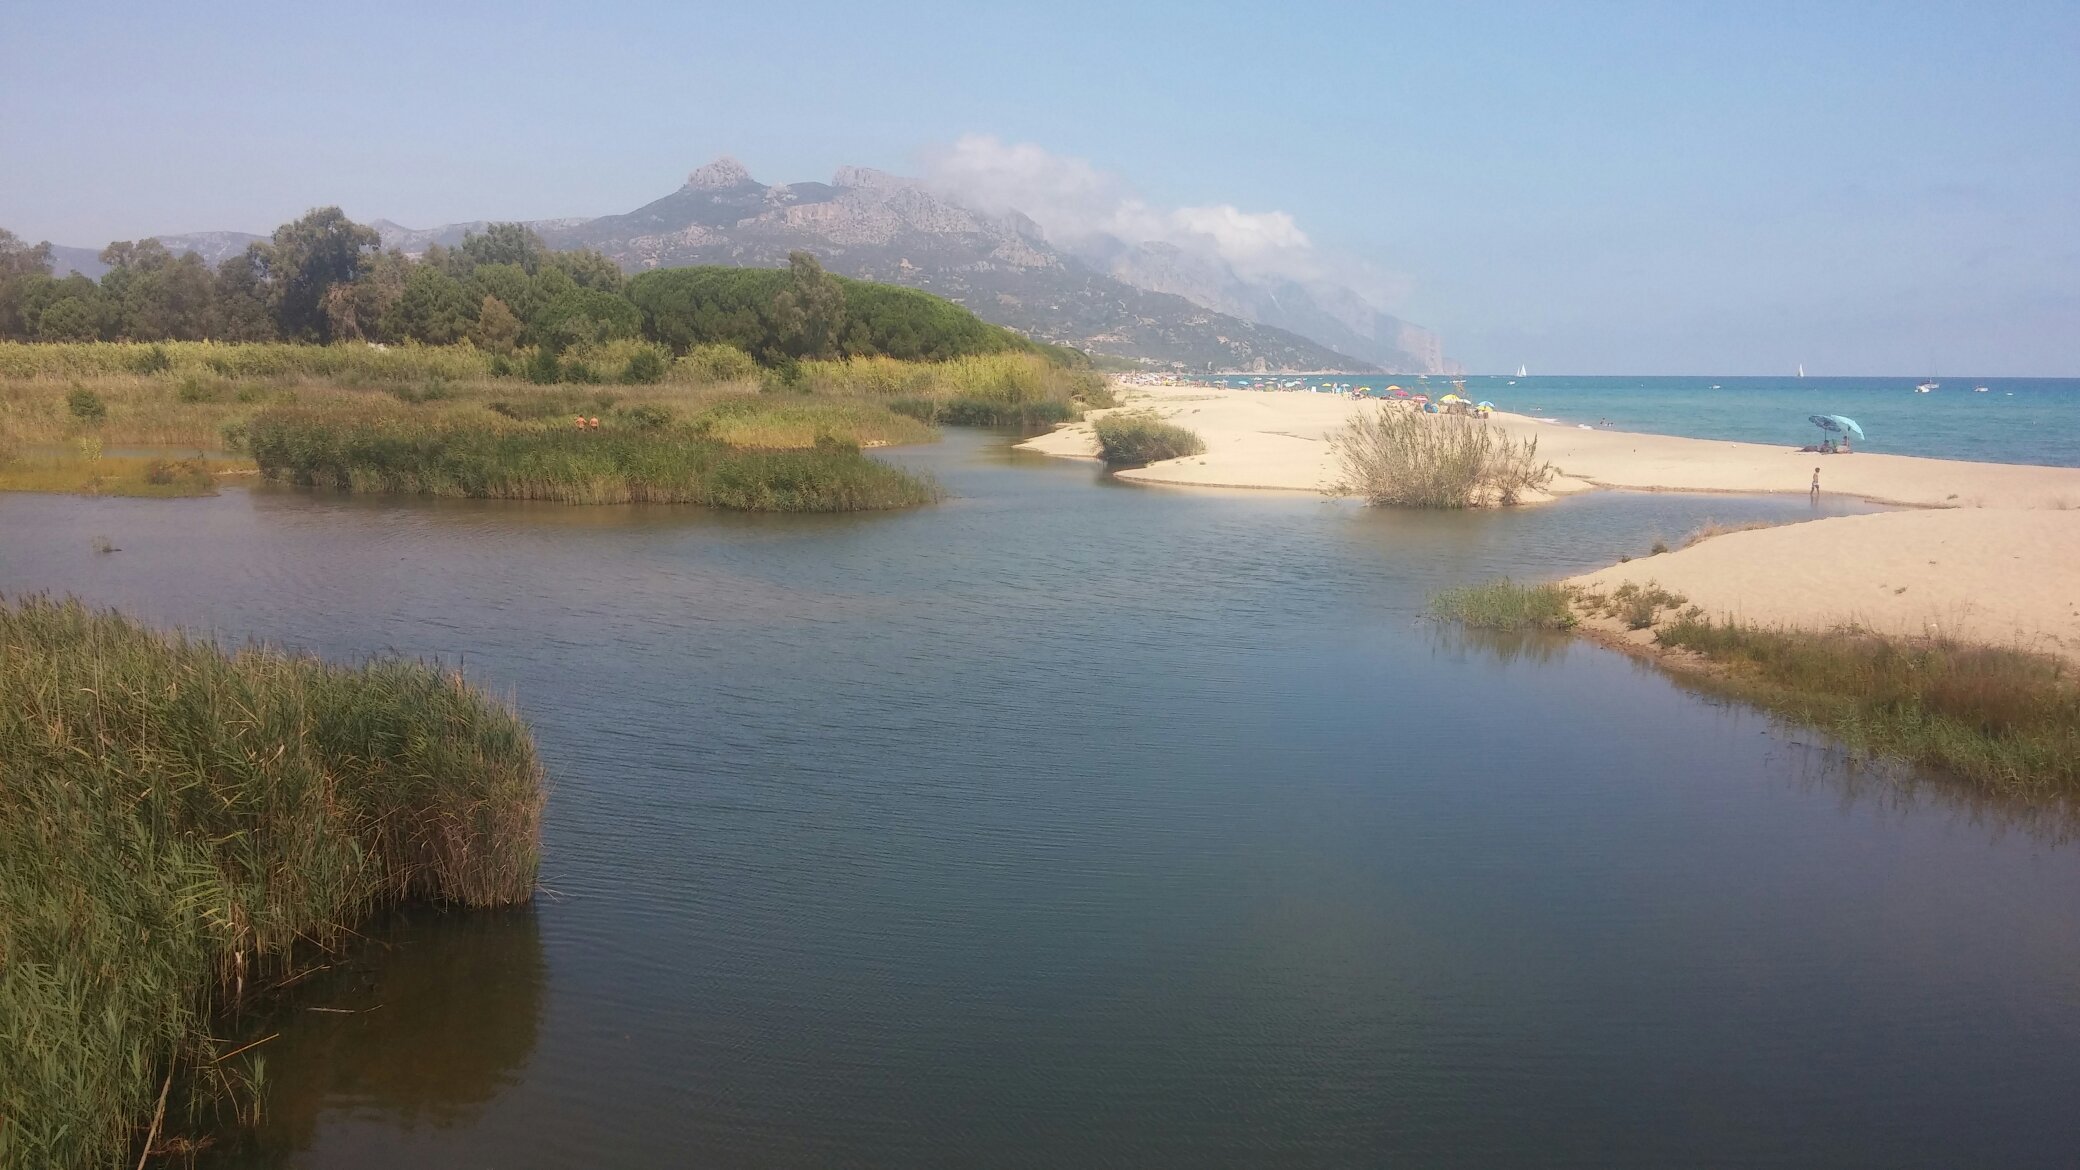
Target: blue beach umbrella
{"points": [[1836, 424]]}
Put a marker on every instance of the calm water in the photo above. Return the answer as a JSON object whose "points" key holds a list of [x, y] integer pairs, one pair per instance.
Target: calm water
{"points": [[1078, 825], [2017, 420]]}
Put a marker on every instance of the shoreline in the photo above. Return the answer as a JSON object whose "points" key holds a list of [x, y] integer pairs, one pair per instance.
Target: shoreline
{"points": [[1260, 439], [1989, 552]]}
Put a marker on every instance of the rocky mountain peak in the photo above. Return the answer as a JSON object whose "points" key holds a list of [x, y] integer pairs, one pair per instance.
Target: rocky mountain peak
{"points": [[867, 178], [723, 173]]}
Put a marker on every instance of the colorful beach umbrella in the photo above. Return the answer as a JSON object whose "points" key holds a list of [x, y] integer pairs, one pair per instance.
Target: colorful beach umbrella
{"points": [[1836, 424]]}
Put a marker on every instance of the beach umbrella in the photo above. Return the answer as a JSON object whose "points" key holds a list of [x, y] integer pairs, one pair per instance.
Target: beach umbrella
{"points": [[1836, 424], [1422, 398], [1451, 398], [1399, 392], [1486, 405]]}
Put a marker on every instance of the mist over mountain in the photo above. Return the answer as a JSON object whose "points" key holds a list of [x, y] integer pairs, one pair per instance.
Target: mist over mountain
{"points": [[1160, 301]]}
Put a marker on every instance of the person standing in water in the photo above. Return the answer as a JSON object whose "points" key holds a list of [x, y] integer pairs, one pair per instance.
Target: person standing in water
{"points": [[1816, 485]]}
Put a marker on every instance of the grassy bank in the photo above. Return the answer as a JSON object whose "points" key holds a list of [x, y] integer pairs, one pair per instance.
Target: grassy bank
{"points": [[2002, 718], [991, 390], [1392, 457], [1136, 440], [482, 455], [2005, 719], [90, 474], [710, 427], [176, 823]]}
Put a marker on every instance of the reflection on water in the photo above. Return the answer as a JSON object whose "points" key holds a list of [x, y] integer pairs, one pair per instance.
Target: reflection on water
{"points": [[430, 1017], [1066, 824]]}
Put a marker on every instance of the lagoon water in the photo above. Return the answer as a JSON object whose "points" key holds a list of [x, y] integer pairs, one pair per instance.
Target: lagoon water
{"points": [[1071, 824], [2017, 420]]}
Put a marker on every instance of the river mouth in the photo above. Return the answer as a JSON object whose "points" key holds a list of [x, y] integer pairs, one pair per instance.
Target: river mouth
{"points": [[1069, 823]]}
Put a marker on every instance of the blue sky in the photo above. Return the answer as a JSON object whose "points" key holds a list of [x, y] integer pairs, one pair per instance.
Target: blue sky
{"points": [[1729, 188]]}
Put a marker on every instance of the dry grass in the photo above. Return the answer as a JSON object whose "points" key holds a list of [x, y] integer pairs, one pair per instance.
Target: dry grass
{"points": [[1404, 459], [2006, 719], [112, 475]]}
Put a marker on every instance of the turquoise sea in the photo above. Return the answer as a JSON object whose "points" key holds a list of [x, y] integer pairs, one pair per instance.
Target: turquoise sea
{"points": [[2016, 420]]}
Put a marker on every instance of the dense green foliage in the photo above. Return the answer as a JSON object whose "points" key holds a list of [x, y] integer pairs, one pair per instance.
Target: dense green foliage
{"points": [[782, 315], [483, 455], [2005, 719], [323, 278], [1136, 440], [176, 822], [1505, 605]]}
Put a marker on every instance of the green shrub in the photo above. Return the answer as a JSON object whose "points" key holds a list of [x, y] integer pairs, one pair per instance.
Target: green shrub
{"points": [[197, 388], [171, 835], [645, 366], [1136, 440], [714, 362], [647, 416], [86, 405], [543, 369]]}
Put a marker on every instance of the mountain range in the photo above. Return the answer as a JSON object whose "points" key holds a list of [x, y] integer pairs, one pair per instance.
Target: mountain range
{"points": [[1151, 302]]}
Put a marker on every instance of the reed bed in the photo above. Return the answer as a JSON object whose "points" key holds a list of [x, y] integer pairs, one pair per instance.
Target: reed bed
{"points": [[477, 454], [774, 422], [351, 362], [178, 823], [2004, 718], [1404, 459], [1000, 389], [1506, 605], [1138, 439]]}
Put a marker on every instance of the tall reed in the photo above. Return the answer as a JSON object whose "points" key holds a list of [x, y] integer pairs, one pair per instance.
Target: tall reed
{"points": [[478, 454], [1136, 440], [177, 822], [1404, 459], [1506, 605]]}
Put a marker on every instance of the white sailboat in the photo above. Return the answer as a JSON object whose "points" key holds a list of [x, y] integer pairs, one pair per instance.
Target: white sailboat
{"points": [[1928, 387], [1523, 372], [1801, 369]]}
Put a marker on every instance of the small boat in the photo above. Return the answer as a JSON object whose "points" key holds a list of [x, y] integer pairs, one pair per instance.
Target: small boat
{"points": [[1801, 369], [1928, 387], [1523, 371], [1978, 389]]}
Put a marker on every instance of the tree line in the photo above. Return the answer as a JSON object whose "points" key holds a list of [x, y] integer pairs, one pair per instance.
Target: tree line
{"points": [[325, 279]]}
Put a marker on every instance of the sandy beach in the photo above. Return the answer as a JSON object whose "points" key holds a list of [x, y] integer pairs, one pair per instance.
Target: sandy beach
{"points": [[1989, 551]]}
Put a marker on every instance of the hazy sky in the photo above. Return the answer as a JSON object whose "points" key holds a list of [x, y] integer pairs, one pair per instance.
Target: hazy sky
{"points": [[1681, 187]]}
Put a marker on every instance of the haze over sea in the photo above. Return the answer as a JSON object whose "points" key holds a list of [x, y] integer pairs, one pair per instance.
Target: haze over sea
{"points": [[2017, 420]]}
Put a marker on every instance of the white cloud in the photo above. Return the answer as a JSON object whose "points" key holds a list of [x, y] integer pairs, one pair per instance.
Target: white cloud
{"points": [[1075, 203]]}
